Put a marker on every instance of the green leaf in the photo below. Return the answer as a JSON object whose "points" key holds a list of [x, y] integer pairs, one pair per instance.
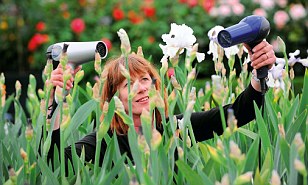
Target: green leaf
{"points": [[46, 171], [284, 149], [263, 130], [304, 100], [292, 113], [79, 117], [267, 166], [252, 154], [248, 133], [191, 176], [271, 112], [296, 126]]}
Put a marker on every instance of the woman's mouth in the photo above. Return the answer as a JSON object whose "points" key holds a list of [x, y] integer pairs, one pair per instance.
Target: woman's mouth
{"points": [[144, 99]]}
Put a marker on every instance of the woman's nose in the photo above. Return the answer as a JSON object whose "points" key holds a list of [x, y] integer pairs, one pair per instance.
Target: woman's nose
{"points": [[142, 87]]}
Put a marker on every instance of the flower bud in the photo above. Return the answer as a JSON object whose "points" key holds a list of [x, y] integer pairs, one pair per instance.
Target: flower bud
{"points": [[275, 180], [156, 139], [79, 76], [224, 180], [281, 45], [299, 143], [24, 155], [124, 71], [89, 89], [29, 132], [292, 73], [143, 145], [145, 117], [139, 51], [175, 83], [282, 133], [207, 106], [41, 93], [43, 107], [118, 104], [17, 89], [105, 108], [300, 167], [67, 75], [180, 152], [164, 66], [200, 93], [134, 90], [98, 63], [191, 75], [95, 91], [192, 94], [65, 122], [235, 152], [125, 44], [102, 130], [244, 178]]}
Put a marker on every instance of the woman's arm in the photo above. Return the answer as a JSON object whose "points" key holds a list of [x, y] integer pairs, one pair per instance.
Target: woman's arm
{"points": [[206, 123]]}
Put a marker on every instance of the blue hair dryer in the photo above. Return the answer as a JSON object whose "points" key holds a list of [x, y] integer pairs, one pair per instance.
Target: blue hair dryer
{"points": [[250, 30]]}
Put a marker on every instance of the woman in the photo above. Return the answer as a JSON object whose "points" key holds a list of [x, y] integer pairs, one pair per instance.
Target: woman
{"points": [[204, 123]]}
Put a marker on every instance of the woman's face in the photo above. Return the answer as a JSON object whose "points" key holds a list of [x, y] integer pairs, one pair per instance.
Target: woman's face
{"points": [[141, 99]]}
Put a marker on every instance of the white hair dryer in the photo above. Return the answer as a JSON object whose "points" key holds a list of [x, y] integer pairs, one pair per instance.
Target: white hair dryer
{"points": [[78, 52]]}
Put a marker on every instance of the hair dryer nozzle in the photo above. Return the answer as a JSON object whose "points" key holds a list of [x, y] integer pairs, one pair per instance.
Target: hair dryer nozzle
{"points": [[250, 30], [78, 52]]}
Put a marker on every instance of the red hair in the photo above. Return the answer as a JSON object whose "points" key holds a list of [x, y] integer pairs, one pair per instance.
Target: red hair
{"points": [[113, 78]]}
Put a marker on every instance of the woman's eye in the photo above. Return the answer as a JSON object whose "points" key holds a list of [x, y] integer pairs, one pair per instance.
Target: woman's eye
{"points": [[145, 79]]}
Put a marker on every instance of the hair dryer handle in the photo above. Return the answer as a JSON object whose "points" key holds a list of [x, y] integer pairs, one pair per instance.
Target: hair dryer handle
{"points": [[262, 72]]}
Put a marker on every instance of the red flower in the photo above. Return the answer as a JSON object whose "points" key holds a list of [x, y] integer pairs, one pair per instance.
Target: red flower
{"points": [[192, 3], [182, 1], [37, 40], [134, 18], [78, 25], [170, 72], [149, 11], [40, 26], [208, 5], [117, 14], [107, 42], [151, 39]]}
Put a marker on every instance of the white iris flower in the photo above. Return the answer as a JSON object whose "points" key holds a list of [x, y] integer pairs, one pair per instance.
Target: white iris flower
{"points": [[179, 38]]}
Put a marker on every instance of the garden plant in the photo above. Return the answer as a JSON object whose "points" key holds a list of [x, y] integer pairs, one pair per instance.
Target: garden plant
{"points": [[268, 150]]}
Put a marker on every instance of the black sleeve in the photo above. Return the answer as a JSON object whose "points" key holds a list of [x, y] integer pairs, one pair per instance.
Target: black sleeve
{"points": [[206, 123]]}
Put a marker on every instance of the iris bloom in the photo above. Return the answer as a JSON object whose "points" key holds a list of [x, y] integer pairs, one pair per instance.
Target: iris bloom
{"points": [[179, 38]]}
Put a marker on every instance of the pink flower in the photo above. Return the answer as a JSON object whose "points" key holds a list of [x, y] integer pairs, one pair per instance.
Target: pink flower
{"points": [[282, 3], [260, 12], [266, 4], [233, 2], [238, 9], [224, 10], [78, 25], [297, 11], [170, 72], [108, 43], [281, 18]]}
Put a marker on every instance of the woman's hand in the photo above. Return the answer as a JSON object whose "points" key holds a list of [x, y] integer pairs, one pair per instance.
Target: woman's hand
{"points": [[261, 55], [57, 76], [57, 81]]}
